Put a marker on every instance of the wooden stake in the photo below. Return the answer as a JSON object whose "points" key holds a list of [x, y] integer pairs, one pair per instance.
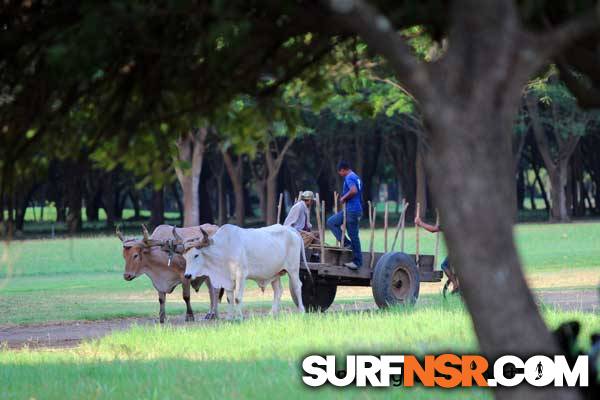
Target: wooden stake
{"points": [[335, 211], [437, 240], [400, 225], [385, 227], [324, 223], [372, 218], [344, 224], [320, 227], [299, 196], [279, 208], [402, 230], [335, 202], [417, 235]]}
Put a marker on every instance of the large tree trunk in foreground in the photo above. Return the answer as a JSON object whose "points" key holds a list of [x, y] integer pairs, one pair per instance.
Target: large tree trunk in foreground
{"points": [[191, 151], [469, 99]]}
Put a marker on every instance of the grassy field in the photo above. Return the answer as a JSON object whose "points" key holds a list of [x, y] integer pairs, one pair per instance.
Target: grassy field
{"points": [[73, 279], [257, 358], [80, 279]]}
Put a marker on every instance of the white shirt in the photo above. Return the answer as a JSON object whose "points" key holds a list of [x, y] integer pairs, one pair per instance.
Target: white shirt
{"points": [[298, 217]]}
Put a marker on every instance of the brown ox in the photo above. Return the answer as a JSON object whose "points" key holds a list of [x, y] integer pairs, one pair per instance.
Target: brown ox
{"points": [[159, 257]]}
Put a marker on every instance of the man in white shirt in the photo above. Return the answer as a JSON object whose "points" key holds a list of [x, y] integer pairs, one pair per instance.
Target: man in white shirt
{"points": [[299, 217]]}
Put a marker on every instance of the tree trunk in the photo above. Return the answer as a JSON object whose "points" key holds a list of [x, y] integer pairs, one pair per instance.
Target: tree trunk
{"points": [[135, 202], [558, 187], [222, 215], [234, 170], [191, 151], [520, 189], [108, 199], [260, 185], [538, 179], [177, 201], [271, 196], [206, 209], [157, 216], [273, 164]]}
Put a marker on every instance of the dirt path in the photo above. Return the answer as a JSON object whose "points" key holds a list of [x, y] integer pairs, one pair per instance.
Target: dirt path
{"points": [[69, 334]]}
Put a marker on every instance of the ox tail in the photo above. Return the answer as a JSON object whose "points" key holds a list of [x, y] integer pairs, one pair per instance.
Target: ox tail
{"points": [[305, 263]]}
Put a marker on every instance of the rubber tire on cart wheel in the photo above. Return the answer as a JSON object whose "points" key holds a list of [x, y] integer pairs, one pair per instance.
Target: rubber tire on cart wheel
{"points": [[395, 280], [319, 299]]}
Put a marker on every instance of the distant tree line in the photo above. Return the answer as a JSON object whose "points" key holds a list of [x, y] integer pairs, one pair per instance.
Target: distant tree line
{"points": [[382, 150]]}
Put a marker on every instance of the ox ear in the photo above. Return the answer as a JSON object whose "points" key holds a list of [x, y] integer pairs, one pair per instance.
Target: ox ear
{"points": [[119, 234]]}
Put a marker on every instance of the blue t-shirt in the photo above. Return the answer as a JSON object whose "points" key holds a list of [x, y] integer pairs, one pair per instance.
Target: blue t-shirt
{"points": [[354, 204]]}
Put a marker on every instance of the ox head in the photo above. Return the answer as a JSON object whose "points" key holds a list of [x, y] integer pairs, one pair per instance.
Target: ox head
{"points": [[134, 252], [193, 254]]}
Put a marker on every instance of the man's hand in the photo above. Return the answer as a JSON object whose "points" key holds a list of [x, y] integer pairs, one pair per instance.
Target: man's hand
{"points": [[418, 221]]}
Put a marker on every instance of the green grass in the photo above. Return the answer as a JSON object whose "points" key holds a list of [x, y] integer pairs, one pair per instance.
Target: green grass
{"points": [[257, 358], [75, 279]]}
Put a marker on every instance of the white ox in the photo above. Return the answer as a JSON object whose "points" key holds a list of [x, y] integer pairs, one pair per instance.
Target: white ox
{"points": [[234, 254]]}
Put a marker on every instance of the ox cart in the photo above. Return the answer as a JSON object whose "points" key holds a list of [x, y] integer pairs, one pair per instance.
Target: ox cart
{"points": [[394, 276]]}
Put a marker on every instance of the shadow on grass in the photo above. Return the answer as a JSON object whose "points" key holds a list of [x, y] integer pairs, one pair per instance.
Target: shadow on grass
{"points": [[168, 378]]}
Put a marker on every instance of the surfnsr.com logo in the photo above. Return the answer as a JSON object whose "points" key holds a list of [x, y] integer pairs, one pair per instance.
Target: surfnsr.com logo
{"points": [[444, 370]]}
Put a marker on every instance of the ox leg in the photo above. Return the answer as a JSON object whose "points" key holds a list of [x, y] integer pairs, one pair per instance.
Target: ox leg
{"points": [[230, 312], [213, 313], [189, 314], [239, 293], [296, 288], [161, 301], [277, 291]]}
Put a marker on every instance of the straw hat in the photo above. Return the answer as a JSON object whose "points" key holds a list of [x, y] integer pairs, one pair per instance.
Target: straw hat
{"points": [[307, 195]]}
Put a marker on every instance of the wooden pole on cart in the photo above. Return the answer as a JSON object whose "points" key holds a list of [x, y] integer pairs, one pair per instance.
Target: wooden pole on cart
{"points": [[400, 225], [402, 230], [335, 202], [335, 210], [372, 216], [385, 227], [299, 196], [417, 234], [344, 224], [279, 208], [323, 223], [320, 227], [437, 239]]}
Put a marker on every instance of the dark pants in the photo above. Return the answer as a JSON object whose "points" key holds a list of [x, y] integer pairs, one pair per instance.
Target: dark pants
{"points": [[334, 224]]}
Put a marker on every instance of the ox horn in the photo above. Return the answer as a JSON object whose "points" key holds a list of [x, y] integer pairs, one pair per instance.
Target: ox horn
{"points": [[145, 232], [178, 238], [205, 239], [119, 234]]}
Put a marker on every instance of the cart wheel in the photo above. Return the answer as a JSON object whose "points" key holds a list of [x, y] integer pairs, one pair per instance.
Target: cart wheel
{"points": [[395, 280], [319, 299]]}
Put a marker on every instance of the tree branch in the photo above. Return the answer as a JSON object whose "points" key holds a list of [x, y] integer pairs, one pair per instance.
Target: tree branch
{"points": [[281, 154], [587, 97], [378, 32], [539, 134], [557, 40]]}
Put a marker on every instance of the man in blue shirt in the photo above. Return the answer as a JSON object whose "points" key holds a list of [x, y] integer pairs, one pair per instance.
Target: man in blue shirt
{"points": [[351, 196]]}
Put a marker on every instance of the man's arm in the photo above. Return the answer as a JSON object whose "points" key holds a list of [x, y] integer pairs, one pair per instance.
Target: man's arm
{"points": [[427, 227], [351, 193]]}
